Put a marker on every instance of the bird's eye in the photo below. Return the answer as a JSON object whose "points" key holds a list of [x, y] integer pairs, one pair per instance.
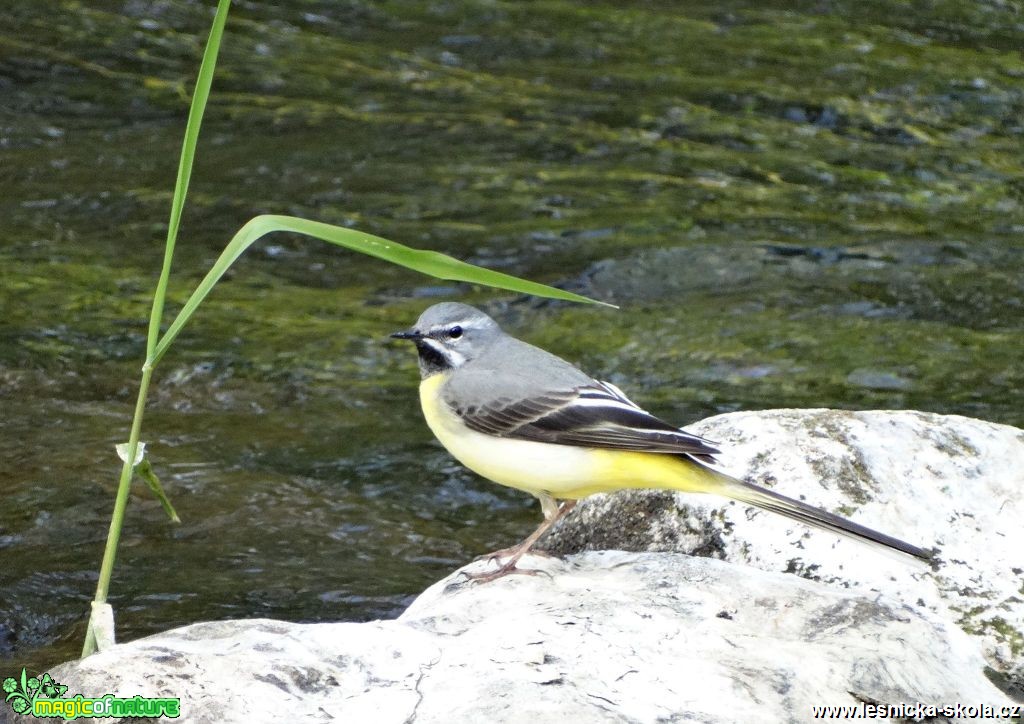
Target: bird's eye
{"points": [[455, 332]]}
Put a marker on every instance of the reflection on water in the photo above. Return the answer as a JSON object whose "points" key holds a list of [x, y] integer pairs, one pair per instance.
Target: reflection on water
{"points": [[796, 205]]}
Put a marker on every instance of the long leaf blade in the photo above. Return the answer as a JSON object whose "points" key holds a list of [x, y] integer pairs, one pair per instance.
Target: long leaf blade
{"points": [[188, 151], [431, 263]]}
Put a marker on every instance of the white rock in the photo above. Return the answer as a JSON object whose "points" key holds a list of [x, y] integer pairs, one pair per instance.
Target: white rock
{"points": [[943, 482], [604, 637]]}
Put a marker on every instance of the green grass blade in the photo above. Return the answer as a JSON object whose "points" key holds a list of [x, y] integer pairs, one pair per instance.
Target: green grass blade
{"points": [[431, 263], [145, 471], [188, 151]]}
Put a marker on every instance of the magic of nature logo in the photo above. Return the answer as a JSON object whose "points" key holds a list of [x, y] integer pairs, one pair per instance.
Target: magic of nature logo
{"points": [[43, 697]]}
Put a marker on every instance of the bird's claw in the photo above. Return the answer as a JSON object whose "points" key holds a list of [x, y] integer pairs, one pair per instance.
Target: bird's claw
{"points": [[505, 570], [508, 552]]}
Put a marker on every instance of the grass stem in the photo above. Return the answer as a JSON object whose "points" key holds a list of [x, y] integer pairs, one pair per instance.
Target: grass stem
{"points": [[120, 503]]}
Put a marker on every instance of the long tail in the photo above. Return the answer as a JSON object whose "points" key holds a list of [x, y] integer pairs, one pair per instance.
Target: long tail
{"points": [[776, 503]]}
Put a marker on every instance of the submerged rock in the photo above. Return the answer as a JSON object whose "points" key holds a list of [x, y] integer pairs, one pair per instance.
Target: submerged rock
{"points": [[600, 637], [961, 285]]}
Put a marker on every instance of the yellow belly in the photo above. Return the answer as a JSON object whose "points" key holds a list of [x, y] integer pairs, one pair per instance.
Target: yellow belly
{"points": [[565, 472]]}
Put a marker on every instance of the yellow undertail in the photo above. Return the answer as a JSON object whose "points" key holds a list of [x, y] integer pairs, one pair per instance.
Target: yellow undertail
{"points": [[651, 470]]}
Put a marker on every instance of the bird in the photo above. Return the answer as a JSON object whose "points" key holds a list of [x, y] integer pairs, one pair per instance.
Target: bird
{"points": [[525, 418]]}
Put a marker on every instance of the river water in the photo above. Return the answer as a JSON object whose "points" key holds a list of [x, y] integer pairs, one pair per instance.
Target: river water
{"points": [[795, 204]]}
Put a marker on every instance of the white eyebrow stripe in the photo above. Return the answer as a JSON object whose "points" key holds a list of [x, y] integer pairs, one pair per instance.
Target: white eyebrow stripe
{"points": [[467, 324]]}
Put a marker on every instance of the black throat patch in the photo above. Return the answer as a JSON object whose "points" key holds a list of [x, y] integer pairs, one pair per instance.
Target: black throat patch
{"points": [[431, 360]]}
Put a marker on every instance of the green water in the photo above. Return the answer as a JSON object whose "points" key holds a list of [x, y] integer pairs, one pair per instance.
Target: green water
{"points": [[796, 204]]}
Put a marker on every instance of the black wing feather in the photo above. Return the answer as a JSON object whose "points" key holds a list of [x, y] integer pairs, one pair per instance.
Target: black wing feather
{"points": [[593, 416]]}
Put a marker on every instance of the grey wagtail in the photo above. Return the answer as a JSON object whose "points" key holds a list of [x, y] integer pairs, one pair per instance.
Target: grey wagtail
{"points": [[525, 418]]}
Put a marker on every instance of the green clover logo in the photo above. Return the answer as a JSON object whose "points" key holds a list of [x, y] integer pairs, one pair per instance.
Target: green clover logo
{"points": [[21, 697], [50, 689]]}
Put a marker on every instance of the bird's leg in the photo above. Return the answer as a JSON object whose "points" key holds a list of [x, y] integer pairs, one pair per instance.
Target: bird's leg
{"points": [[550, 507], [553, 512]]}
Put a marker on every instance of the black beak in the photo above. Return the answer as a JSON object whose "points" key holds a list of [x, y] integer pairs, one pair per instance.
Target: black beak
{"points": [[407, 334]]}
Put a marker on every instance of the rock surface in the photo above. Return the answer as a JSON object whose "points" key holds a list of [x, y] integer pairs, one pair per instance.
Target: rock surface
{"points": [[950, 484], [604, 637]]}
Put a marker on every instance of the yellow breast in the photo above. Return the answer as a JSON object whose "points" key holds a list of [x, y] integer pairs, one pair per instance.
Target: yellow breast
{"points": [[562, 471], [535, 467]]}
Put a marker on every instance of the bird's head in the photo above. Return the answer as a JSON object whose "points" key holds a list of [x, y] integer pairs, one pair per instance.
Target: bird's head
{"points": [[450, 334]]}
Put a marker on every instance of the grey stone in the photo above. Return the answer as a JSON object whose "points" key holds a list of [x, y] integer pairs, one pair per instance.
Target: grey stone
{"points": [[601, 637]]}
